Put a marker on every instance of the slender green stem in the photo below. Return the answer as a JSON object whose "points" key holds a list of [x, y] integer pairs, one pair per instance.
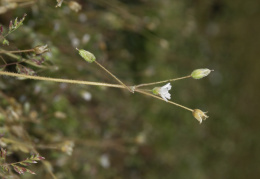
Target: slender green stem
{"points": [[159, 82], [60, 80], [113, 76], [17, 51], [148, 94]]}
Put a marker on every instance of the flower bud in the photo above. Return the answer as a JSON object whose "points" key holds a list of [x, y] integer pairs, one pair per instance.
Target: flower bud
{"points": [[156, 90], [40, 49], [200, 73], [199, 115], [73, 5], [86, 55]]}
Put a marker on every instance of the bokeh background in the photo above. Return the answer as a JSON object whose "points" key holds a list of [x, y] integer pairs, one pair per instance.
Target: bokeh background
{"points": [[97, 132]]}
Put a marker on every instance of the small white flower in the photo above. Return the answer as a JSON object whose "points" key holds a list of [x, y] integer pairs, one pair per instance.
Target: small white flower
{"points": [[163, 91]]}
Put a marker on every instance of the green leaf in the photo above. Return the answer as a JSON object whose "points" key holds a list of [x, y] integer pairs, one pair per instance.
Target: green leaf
{"points": [[25, 163]]}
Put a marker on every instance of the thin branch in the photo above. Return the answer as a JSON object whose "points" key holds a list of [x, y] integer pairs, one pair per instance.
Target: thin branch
{"points": [[17, 51], [113, 76], [159, 82], [14, 63], [60, 80], [148, 94]]}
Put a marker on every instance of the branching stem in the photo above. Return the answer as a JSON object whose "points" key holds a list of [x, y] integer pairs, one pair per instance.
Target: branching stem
{"points": [[87, 83]]}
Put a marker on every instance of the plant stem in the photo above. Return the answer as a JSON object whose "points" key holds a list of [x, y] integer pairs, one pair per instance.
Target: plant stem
{"points": [[159, 82], [10, 64], [22, 59], [86, 83], [17, 51], [60, 80], [148, 94], [113, 76]]}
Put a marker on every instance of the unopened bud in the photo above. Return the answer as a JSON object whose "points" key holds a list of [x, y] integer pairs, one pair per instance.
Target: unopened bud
{"points": [[40, 49], [156, 90], [73, 5], [200, 73], [86, 55], [199, 115]]}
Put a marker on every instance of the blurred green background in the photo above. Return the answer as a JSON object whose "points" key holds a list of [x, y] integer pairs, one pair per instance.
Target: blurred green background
{"points": [[111, 133]]}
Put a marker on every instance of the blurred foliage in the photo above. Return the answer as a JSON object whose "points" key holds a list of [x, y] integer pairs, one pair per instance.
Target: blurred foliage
{"points": [[94, 132]]}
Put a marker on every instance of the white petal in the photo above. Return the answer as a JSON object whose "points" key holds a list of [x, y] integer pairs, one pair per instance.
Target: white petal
{"points": [[200, 120], [167, 86], [163, 90], [164, 98], [168, 96]]}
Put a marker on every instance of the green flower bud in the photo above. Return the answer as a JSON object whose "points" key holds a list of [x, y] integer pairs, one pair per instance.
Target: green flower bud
{"points": [[86, 55], [200, 73], [156, 90]]}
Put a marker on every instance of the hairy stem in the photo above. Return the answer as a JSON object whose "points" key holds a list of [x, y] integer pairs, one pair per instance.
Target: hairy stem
{"points": [[17, 51], [159, 82], [60, 80]]}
